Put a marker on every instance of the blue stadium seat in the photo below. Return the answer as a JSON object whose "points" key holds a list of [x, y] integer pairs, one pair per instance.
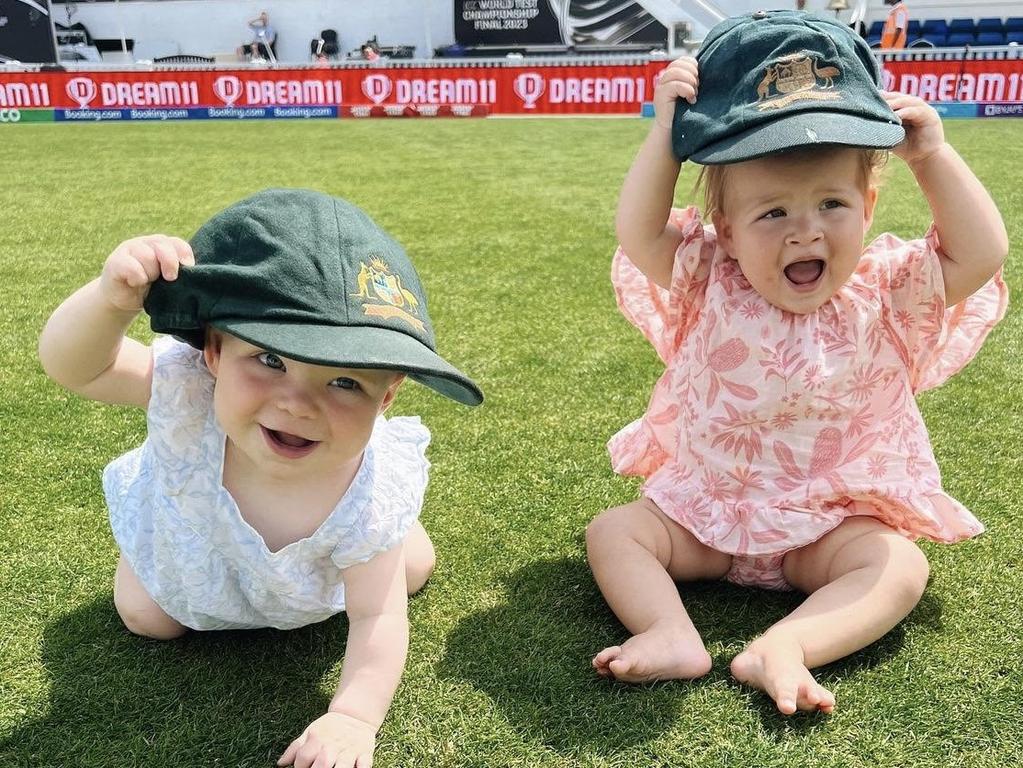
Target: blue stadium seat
{"points": [[959, 39], [989, 25], [934, 27], [914, 29], [938, 41], [1014, 37], [961, 27], [875, 29], [874, 41], [990, 38], [1014, 24]]}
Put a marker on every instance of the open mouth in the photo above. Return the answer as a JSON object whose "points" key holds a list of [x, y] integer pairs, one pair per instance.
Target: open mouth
{"points": [[287, 444], [803, 274]]}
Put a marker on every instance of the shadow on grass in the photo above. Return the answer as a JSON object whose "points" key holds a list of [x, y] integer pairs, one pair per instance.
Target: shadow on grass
{"points": [[531, 656], [211, 698], [769, 607]]}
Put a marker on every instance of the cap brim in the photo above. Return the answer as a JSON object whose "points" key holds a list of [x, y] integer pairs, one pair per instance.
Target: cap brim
{"points": [[803, 129], [358, 347]]}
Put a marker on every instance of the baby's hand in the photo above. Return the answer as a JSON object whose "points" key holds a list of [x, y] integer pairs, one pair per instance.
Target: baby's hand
{"points": [[924, 132], [137, 263], [679, 80], [332, 740]]}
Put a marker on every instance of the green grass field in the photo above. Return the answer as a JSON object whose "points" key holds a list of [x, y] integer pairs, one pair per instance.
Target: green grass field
{"points": [[510, 224]]}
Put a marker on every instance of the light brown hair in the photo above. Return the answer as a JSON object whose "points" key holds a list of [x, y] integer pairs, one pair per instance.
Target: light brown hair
{"points": [[712, 178]]}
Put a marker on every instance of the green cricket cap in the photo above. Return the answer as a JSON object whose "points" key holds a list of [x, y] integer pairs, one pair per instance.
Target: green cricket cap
{"points": [[312, 278], [771, 81]]}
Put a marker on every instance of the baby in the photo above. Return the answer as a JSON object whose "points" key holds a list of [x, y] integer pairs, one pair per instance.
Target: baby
{"points": [[270, 491], [783, 448]]}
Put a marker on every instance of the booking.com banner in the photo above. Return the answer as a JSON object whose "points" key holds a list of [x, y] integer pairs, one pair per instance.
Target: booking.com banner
{"points": [[298, 93], [992, 88]]}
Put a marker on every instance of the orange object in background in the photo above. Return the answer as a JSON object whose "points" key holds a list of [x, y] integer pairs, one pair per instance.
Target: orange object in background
{"points": [[893, 35]]}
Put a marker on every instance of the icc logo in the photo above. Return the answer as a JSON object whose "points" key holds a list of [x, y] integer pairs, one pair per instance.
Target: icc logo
{"points": [[529, 87], [228, 88], [82, 90], [376, 87]]}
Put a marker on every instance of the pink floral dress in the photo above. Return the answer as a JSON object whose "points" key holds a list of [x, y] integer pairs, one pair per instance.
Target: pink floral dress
{"points": [[767, 429]]}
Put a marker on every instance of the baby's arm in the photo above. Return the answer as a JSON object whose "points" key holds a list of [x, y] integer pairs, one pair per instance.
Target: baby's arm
{"points": [[969, 226], [83, 346], [376, 600], [642, 224]]}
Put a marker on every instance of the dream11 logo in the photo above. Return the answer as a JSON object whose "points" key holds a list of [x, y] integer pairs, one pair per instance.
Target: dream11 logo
{"points": [[82, 90], [529, 86], [228, 88], [376, 87]]}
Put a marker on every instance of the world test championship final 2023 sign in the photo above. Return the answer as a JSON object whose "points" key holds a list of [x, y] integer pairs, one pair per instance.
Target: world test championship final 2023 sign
{"points": [[993, 87]]}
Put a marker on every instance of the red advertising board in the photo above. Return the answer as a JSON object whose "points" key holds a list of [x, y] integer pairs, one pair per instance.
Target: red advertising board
{"points": [[506, 90], [579, 88], [978, 80]]}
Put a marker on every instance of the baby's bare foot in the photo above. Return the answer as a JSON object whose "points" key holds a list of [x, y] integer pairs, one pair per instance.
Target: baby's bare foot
{"points": [[661, 653], [776, 667]]}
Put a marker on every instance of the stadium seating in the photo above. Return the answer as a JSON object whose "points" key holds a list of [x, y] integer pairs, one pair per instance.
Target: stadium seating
{"points": [[961, 27], [874, 34], [935, 39], [956, 32], [990, 38], [959, 39]]}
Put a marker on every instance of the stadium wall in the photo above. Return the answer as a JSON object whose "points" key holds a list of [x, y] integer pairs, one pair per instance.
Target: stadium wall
{"points": [[208, 27]]}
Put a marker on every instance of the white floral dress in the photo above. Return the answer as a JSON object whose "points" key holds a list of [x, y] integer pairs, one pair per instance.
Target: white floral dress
{"points": [[766, 426], [182, 533]]}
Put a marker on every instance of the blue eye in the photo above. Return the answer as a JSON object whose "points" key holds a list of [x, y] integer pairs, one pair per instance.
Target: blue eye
{"points": [[270, 360], [774, 213], [832, 204], [343, 382]]}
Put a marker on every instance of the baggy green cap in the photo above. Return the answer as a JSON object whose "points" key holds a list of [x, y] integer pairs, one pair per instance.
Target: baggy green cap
{"points": [[777, 80], [309, 277]]}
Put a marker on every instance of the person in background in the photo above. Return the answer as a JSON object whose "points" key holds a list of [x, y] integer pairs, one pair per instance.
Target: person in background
{"points": [[896, 26], [264, 38], [370, 52]]}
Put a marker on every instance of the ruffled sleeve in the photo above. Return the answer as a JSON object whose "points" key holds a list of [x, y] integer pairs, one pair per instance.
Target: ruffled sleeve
{"points": [[935, 341], [388, 495], [180, 410], [666, 317]]}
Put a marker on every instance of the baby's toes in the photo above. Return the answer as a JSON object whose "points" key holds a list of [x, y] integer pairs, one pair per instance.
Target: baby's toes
{"points": [[808, 697], [826, 700], [601, 660], [622, 668], [813, 697], [786, 695]]}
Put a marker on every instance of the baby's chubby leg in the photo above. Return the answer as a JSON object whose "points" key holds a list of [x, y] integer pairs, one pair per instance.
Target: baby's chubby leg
{"points": [[140, 614], [637, 553], [419, 558], [862, 579]]}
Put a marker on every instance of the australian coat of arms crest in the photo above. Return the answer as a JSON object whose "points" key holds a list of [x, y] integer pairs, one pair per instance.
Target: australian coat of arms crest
{"points": [[383, 295], [797, 77]]}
